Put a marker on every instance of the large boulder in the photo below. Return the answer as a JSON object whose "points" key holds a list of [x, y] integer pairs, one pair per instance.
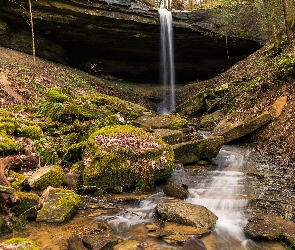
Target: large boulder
{"points": [[231, 131], [187, 214], [271, 227], [58, 205], [195, 150], [121, 156]]}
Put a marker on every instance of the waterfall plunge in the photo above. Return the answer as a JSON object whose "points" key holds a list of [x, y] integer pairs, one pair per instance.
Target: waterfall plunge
{"points": [[167, 63]]}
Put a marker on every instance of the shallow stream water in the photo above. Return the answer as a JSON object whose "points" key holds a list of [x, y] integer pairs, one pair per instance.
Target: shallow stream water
{"points": [[223, 187]]}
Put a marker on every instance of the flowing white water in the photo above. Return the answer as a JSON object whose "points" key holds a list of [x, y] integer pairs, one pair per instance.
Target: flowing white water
{"points": [[223, 195], [167, 63]]}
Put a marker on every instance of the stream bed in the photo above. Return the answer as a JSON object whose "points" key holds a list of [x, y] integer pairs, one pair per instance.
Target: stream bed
{"points": [[224, 186]]}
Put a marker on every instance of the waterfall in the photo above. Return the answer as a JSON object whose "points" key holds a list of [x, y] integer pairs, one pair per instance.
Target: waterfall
{"points": [[167, 63]]}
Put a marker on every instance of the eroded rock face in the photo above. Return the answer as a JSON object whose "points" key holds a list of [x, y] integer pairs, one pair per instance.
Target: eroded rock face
{"points": [[119, 38], [187, 214]]}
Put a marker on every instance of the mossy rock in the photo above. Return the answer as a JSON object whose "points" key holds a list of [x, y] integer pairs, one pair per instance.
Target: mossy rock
{"points": [[205, 101], [28, 205], [33, 132], [170, 136], [16, 180], [19, 244], [68, 107], [160, 122], [56, 95], [8, 146], [74, 152], [46, 176], [8, 127], [120, 156], [58, 205]]}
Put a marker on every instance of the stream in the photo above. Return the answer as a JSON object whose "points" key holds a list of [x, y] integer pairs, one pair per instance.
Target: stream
{"points": [[223, 187]]}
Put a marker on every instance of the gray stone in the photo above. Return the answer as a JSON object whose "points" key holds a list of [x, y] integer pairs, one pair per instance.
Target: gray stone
{"points": [[176, 191], [271, 227], [187, 214]]}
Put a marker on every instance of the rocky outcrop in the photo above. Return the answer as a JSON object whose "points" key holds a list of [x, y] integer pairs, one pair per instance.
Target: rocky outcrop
{"points": [[271, 227], [195, 150], [187, 214], [231, 131], [119, 38]]}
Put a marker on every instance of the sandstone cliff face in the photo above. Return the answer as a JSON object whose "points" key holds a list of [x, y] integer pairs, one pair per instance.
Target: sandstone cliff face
{"points": [[119, 38]]}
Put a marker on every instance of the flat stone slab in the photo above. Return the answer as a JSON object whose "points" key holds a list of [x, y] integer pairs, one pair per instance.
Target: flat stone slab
{"points": [[231, 131], [271, 227]]}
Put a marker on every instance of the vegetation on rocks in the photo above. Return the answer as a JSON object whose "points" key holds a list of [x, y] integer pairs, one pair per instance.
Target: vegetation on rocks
{"points": [[120, 156]]}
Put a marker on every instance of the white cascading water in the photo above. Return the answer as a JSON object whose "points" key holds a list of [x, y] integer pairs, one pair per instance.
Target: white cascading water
{"points": [[222, 193], [167, 63]]}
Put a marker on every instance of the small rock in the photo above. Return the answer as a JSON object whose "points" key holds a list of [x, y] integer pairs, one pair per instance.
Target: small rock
{"points": [[193, 243], [75, 243], [176, 191]]}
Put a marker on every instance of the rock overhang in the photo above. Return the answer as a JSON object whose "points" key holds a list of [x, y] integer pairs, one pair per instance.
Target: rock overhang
{"points": [[121, 38]]}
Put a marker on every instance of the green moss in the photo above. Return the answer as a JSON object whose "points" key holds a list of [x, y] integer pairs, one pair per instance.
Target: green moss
{"points": [[74, 152], [53, 178], [32, 132], [69, 199], [28, 206], [177, 122], [22, 243], [77, 167], [8, 146], [16, 180], [124, 156], [56, 95], [7, 126]]}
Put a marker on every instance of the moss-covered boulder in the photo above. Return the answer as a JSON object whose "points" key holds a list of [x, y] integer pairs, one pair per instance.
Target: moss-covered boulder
{"points": [[7, 145], [120, 156], [17, 180], [63, 106], [32, 132], [19, 244], [195, 150], [58, 205], [160, 121], [28, 205], [46, 176]]}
